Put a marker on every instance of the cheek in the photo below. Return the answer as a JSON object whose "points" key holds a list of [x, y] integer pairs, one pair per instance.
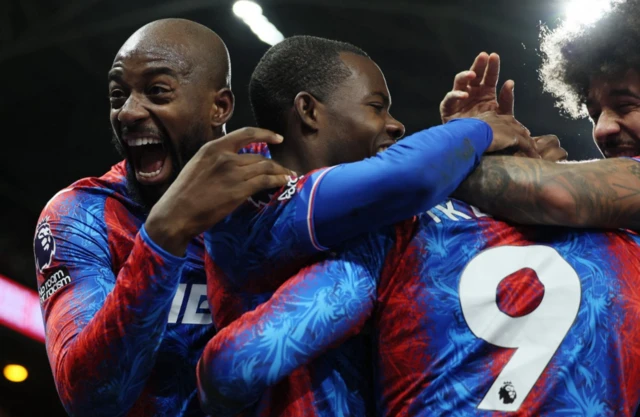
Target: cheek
{"points": [[177, 123], [632, 122], [113, 117]]}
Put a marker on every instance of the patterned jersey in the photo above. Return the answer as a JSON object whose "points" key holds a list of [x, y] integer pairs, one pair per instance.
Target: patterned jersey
{"points": [[271, 237], [126, 322], [486, 319], [472, 317]]}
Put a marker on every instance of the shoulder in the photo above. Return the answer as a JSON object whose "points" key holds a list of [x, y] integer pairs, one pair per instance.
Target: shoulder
{"points": [[260, 148], [88, 196]]}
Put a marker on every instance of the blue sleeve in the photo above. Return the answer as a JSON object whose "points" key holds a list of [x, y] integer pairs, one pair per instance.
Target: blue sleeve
{"points": [[103, 327], [409, 178], [272, 236], [318, 308]]}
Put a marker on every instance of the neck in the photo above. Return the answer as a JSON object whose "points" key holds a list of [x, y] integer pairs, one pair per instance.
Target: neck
{"points": [[299, 153]]}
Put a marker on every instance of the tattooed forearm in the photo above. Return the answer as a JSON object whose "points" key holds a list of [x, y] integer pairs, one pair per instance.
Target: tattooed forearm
{"points": [[603, 193]]}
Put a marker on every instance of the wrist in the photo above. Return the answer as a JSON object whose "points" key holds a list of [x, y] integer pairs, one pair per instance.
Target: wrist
{"points": [[168, 232]]}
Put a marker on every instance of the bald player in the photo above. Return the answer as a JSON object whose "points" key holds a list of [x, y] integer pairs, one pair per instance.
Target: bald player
{"points": [[119, 258], [118, 261]]}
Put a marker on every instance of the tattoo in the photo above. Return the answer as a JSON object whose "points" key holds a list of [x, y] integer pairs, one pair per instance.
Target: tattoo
{"points": [[604, 193], [634, 169]]}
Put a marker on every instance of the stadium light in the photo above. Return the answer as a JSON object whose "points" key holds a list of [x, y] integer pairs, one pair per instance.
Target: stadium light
{"points": [[15, 373], [251, 14], [20, 309], [580, 13]]}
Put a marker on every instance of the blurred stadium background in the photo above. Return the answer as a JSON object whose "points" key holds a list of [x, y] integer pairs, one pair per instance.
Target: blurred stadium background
{"points": [[54, 58]]}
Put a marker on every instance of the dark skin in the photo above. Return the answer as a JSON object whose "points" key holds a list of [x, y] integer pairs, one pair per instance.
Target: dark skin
{"points": [[355, 122], [350, 126], [169, 85], [603, 193]]}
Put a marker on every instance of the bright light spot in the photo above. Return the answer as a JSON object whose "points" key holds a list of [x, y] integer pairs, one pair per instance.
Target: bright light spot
{"points": [[245, 9], [251, 14], [15, 373], [579, 13]]}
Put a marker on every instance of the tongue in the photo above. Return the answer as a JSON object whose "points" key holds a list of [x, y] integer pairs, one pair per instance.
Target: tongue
{"points": [[151, 159]]}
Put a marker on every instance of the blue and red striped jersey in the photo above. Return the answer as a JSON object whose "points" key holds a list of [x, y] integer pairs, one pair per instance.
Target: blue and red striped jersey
{"points": [[272, 236], [486, 319], [471, 316], [125, 321]]}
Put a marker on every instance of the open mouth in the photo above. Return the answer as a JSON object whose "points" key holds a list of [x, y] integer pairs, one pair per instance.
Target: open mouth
{"points": [[621, 151], [383, 147], [150, 158]]}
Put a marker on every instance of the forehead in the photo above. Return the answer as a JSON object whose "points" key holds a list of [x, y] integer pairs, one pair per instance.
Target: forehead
{"points": [[366, 76], [141, 51], [604, 88]]}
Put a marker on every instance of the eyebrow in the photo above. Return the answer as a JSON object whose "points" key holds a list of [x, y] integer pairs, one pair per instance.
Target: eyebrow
{"points": [[383, 96], [624, 92], [116, 73]]}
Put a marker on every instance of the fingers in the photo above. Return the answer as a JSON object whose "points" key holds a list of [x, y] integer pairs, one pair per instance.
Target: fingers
{"points": [[506, 99], [527, 145], [555, 155], [265, 182], [247, 159], [266, 167], [462, 79], [238, 139], [448, 104], [479, 67], [493, 71], [550, 148]]}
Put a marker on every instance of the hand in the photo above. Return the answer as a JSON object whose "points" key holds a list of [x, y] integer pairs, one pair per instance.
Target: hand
{"points": [[508, 133], [549, 148], [210, 186], [474, 91]]}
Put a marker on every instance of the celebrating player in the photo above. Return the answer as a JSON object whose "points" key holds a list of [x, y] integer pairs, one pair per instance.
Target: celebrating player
{"points": [[472, 316], [250, 256], [594, 70], [119, 260], [113, 272]]}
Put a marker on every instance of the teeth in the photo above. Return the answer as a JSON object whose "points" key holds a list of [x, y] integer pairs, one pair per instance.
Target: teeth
{"points": [[143, 141], [382, 149], [149, 174]]}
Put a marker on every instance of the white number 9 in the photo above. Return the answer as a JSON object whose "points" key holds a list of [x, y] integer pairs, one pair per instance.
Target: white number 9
{"points": [[536, 335]]}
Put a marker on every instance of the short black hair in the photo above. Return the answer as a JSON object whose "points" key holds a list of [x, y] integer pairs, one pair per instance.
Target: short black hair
{"points": [[298, 63], [573, 56]]}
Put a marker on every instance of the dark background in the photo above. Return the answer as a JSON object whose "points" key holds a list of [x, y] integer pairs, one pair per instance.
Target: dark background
{"points": [[54, 58]]}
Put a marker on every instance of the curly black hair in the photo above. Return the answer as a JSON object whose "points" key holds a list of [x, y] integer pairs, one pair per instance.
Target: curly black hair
{"points": [[572, 56], [298, 63]]}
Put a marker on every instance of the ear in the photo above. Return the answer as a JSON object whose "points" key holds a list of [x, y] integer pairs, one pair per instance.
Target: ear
{"points": [[309, 110], [222, 108]]}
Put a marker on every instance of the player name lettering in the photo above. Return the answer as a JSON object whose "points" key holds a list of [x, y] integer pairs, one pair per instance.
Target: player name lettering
{"points": [[57, 280], [455, 211]]}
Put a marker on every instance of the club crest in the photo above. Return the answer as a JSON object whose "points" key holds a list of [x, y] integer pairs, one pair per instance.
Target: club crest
{"points": [[44, 246]]}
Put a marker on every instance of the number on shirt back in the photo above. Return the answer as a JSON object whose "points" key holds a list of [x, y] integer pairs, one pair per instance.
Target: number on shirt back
{"points": [[537, 335]]}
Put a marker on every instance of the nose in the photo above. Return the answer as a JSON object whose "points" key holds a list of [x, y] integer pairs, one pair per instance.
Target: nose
{"points": [[608, 124], [395, 129], [132, 111]]}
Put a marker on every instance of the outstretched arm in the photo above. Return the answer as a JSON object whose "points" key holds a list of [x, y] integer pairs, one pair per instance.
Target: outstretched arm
{"points": [[316, 309], [603, 193]]}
